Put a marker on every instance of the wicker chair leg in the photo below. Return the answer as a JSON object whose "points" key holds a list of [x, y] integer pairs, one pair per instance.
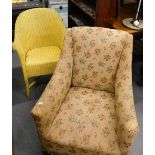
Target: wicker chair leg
{"points": [[27, 88], [26, 83]]}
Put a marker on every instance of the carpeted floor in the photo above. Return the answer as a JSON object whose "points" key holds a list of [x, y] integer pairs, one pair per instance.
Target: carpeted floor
{"points": [[25, 139]]}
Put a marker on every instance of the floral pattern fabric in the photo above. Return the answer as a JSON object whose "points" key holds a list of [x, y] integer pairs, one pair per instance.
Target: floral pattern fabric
{"points": [[50, 101], [87, 107], [87, 119], [96, 56], [127, 125]]}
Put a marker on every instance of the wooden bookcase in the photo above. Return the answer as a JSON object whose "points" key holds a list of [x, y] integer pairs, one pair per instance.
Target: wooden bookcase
{"points": [[92, 12]]}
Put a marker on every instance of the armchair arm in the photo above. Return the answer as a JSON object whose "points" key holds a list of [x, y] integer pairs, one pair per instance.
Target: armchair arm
{"points": [[50, 101], [127, 126]]}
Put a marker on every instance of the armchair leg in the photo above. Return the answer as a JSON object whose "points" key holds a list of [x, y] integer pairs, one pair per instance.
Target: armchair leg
{"points": [[45, 153]]}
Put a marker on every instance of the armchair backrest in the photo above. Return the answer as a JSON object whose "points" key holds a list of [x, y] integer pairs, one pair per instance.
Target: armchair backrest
{"points": [[96, 55], [39, 27]]}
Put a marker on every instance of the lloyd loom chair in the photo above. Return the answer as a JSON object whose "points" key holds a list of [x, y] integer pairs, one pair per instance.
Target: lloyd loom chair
{"points": [[39, 36], [87, 108]]}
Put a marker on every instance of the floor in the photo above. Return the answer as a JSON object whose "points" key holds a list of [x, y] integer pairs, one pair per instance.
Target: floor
{"points": [[25, 139]]}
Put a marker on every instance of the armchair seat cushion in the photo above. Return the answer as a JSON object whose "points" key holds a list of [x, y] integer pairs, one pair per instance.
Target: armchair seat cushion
{"points": [[43, 60], [85, 124]]}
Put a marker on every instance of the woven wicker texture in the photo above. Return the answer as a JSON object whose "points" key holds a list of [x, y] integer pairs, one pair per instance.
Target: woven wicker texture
{"points": [[44, 62], [39, 35]]}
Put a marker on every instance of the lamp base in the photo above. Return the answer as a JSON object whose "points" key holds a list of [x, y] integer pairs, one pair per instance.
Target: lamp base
{"points": [[128, 22]]}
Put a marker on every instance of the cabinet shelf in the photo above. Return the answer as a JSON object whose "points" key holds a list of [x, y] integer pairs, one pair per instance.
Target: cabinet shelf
{"points": [[87, 9], [76, 20], [92, 12]]}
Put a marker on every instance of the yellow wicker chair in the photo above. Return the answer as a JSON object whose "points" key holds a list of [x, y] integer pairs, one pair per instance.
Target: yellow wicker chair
{"points": [[39, 35]]}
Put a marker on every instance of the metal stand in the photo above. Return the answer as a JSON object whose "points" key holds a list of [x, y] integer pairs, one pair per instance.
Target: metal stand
{"points": [[129, 22]]}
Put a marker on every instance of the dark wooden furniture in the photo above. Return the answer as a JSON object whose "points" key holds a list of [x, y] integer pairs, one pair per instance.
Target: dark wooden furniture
{"points": [[92, 12], [128, 10], [117, 24], [125, 11], [104, 13]]}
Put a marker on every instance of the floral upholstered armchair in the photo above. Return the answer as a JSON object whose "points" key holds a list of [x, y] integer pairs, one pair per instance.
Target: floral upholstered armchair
{"points": [[87, 108]]}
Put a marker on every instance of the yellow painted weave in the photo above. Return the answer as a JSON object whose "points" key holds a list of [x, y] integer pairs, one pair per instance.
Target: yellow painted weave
{"points": [[44, 62], [39, 35]]}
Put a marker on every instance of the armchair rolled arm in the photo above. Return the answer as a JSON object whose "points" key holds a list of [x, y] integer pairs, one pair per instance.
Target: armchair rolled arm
{"points": [[50, 101], [127, 125]]}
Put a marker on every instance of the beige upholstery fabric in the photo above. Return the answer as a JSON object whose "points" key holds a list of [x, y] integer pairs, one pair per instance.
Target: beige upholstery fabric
{"points": [[50, 101], [87, 107], [87, 119], [96, 57]]}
